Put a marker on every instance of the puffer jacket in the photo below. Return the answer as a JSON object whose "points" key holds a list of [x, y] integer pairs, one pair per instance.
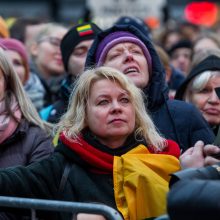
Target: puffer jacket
{"points": [[174, 119], [28, 144]]}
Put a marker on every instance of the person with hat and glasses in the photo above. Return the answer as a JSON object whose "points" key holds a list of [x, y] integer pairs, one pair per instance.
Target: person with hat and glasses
{"points": [[74, 47]]}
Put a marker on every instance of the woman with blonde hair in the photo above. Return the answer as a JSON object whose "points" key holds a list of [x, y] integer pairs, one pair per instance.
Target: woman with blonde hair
{"points": [[46, 62], [24, 137], [109, 152]]}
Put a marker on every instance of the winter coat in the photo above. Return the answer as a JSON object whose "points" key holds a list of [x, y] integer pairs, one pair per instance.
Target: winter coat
{"points": [[174, 119], [51, 86], [28, 144], [53, 113], [176, 79], [35, 90], [195, 194], [90, 177]]}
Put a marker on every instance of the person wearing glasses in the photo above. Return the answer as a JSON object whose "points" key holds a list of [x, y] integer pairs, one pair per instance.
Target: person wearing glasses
{"points": [[74, 48], [46, 61]]}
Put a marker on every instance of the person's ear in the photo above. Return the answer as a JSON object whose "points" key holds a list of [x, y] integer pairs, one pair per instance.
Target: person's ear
{"points": [[34, 49]]}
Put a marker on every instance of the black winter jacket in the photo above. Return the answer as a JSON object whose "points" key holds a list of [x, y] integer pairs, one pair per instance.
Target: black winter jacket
{"points": [[42, 180], [175, 120], [195, 194]]}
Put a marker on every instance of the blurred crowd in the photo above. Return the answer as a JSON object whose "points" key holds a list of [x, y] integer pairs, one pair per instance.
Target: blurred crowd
{"points": [[52, 111]]}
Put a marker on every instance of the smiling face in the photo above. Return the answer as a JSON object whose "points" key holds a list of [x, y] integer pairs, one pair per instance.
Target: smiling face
{"points": [[47, 53], [110, 113], [129, 59], [208, 102]]}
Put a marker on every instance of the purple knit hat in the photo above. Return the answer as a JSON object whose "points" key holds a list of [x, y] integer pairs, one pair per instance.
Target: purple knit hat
{"points": [[119, 37]]}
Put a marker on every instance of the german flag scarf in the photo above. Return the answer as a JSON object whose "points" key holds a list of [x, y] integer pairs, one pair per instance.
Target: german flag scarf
{"points": [[140, 177]]}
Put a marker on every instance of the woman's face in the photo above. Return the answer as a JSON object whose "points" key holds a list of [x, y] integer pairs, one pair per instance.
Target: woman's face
{"points": [[47, 54], [130, 60], [18, 64], [110, 113], [208, 102], [2, 85]]}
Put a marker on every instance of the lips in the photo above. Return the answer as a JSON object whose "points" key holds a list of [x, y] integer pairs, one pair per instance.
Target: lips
{"points": [[131, 69], [212, 111], [116, 120]]}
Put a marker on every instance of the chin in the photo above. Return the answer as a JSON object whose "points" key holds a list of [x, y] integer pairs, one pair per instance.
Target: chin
{"points": [[213, 121]]}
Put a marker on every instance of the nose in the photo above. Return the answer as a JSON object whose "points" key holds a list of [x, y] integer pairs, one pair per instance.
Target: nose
{"points": [[128, 56], [116, 107], [213, 98]]}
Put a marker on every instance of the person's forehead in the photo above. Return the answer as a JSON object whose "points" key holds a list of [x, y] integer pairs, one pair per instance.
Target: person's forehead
{"points": [[85, 43], [182, 50], [124, 45]]}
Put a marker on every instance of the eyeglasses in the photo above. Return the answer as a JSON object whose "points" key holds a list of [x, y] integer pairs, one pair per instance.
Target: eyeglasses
{"points": [[52, 40]]}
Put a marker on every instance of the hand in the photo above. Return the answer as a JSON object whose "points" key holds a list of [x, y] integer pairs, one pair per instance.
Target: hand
{"points": [[210, 151], [193, 157]]}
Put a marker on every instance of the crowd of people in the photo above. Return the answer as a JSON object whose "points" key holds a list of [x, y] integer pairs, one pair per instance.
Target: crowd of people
{"points": [[118, 116]]}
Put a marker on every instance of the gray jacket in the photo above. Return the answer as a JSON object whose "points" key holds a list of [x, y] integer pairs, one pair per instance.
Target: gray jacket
{"points": [[28, 144]]}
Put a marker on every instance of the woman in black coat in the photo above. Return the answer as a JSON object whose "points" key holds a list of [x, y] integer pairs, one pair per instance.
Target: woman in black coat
{"points": [[114, 153]]}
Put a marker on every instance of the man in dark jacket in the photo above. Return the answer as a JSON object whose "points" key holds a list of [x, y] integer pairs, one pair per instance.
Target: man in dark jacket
{"points": [[74, 47], [175, 120]]}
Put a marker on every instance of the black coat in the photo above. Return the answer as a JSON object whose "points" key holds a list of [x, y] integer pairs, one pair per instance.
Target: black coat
{"points": [[195, 194], [42, 180], [176, 120]]}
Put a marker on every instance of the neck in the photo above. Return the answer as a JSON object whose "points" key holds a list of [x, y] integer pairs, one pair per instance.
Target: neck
{"points": [[113, 142]]}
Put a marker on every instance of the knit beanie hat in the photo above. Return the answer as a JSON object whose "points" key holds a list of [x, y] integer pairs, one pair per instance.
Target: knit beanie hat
{"points": [[74, 36], [212, 62], [120, 37], [180, 44], [18, 46]]}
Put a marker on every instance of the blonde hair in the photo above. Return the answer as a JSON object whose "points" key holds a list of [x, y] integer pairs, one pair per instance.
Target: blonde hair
{"points": [[47, 29], [74, 121], [15, 88]]}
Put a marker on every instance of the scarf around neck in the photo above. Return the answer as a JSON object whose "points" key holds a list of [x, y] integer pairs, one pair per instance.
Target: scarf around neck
{"points": [[99, 159], [7, 123], [140, 177]]}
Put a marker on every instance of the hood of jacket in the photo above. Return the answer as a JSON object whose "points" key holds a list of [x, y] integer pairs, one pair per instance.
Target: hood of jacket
{"points": [[157, 89]]}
